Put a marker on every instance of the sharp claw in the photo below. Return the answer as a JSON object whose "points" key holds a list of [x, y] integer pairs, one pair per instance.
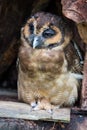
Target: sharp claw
{"points": [[33, 104]]}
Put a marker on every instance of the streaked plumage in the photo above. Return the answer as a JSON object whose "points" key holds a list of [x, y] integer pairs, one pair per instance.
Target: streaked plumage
{"points": [[45, 76]]}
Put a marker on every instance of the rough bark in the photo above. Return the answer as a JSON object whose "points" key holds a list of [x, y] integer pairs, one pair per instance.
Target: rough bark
{"points": [[75, 10], [82, 29], [78, 122], [12, 14]]}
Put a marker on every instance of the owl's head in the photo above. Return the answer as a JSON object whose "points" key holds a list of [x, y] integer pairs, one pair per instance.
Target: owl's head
{"points": [[45, 30]]}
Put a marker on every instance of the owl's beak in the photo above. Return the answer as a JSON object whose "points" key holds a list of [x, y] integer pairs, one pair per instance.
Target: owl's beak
{"points": [[37, 43]]}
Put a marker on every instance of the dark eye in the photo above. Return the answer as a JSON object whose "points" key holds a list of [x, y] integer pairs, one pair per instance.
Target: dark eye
{"points": [[31, 27], [48, 33]]}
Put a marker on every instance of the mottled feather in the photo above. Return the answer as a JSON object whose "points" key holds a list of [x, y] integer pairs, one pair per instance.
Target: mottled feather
{"points": [[46, 62]]}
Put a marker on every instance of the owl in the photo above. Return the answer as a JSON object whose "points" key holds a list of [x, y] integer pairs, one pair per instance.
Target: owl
{"points": [[45, 75]]}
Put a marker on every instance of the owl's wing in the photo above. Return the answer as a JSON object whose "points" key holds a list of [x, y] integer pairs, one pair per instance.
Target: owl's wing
{"points": [[74, 58]]}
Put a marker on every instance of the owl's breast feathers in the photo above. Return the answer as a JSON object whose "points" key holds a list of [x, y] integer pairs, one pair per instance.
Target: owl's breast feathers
{"points": [[45, 67], [43, 73], [41, 61]]}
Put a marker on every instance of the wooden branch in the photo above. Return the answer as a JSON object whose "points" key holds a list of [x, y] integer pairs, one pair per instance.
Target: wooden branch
{"points": [[10, 109]]}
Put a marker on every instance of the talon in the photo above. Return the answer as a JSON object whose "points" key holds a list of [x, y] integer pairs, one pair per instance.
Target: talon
{"points": [[33, 104]]}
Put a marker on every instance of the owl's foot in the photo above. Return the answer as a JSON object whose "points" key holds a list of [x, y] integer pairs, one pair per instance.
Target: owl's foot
{"points": [[43, 104], [33, 104]]}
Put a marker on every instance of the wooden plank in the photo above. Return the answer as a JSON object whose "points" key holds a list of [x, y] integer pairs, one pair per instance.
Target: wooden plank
{"points": [[10, 109], [77, 122]]}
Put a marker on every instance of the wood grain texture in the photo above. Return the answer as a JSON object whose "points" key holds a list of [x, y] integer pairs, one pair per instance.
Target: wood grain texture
{"points": [[75, 10], [77, 122], [10, 109], [11, 19], [82, 29]]}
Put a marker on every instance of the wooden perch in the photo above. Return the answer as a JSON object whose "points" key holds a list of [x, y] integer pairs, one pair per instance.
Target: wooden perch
{"points": [[10, 109]]}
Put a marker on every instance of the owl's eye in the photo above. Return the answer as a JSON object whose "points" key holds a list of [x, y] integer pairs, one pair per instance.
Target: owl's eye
{"points": [[31, 27], [48, 33]]}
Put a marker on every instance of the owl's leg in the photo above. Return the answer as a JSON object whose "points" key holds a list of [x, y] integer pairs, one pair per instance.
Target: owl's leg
{"points": [[44, 104]]}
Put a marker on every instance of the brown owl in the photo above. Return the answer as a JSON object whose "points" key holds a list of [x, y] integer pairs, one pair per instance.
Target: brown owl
{"points": [[45, 79]]}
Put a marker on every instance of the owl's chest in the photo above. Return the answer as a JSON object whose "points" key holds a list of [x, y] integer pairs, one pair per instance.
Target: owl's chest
{"points": [[41, 62]]}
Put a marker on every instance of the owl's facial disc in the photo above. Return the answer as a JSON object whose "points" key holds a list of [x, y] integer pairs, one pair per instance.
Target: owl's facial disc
{"points": [[39, 41], [46, 36]]}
